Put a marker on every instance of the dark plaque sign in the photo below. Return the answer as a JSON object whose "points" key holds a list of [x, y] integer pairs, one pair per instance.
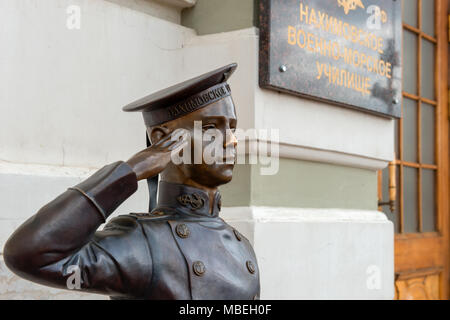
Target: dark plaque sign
{"points": [[346, 52]]}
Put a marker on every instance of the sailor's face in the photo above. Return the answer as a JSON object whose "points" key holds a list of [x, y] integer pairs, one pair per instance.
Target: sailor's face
{"points": [[212, 128]]}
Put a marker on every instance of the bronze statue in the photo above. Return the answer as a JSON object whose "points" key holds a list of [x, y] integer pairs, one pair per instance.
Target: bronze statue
{"points": [[181, 249]]}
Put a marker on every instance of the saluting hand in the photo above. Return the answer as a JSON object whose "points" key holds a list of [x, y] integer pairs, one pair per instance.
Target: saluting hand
{"points": [[151, 161]]}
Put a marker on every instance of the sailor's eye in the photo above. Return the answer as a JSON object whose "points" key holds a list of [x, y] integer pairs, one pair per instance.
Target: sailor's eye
{"points": [[208, 126]]}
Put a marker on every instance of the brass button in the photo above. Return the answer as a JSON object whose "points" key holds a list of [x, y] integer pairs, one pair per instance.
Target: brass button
{"points": [[199, 268], [158, 213], [182, 230], [236, 233], [250, 267]]}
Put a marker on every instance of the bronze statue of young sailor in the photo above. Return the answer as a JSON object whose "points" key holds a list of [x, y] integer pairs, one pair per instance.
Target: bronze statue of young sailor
{"points": [[182, 249]]}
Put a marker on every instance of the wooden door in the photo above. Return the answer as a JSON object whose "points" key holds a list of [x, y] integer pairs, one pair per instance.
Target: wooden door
{"points": [[421, 215]]}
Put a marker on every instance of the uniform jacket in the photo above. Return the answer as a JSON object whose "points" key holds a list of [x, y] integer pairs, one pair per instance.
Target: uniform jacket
{"points": [[179, 251]]}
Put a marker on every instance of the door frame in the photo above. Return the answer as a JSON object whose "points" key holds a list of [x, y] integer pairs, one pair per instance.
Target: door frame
{"points": [[423, 254]]}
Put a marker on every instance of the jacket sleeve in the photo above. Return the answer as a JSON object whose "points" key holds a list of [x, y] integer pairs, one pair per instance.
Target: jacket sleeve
{"points": [[60, 247]]}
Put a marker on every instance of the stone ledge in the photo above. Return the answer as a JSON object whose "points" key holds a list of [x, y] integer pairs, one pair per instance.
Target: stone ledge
{"points": [[24, 189], [179, 3], [7, 167], [279, 214], [319, 253]]}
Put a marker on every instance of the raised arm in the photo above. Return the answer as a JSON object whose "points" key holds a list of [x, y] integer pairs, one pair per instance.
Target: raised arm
{"points": [[61, 238]]}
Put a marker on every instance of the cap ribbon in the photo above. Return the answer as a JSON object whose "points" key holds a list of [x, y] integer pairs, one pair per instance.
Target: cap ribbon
{"points": [[191, 104]]}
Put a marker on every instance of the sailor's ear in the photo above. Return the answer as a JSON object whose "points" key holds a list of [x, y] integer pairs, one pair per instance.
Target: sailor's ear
{"points": [[157, 133]]}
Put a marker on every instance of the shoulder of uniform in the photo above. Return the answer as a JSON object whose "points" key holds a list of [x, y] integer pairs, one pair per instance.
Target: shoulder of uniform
{"points": [[155, 215], [239, 235], [119, 228], [122, 221], [134, 262]]}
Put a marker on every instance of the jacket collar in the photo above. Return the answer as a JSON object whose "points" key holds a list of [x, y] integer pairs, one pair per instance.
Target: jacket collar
{"points": [[186, 200]]}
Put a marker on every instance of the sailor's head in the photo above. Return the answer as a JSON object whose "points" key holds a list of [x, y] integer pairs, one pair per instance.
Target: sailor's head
{"points": [[201, 109]]}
